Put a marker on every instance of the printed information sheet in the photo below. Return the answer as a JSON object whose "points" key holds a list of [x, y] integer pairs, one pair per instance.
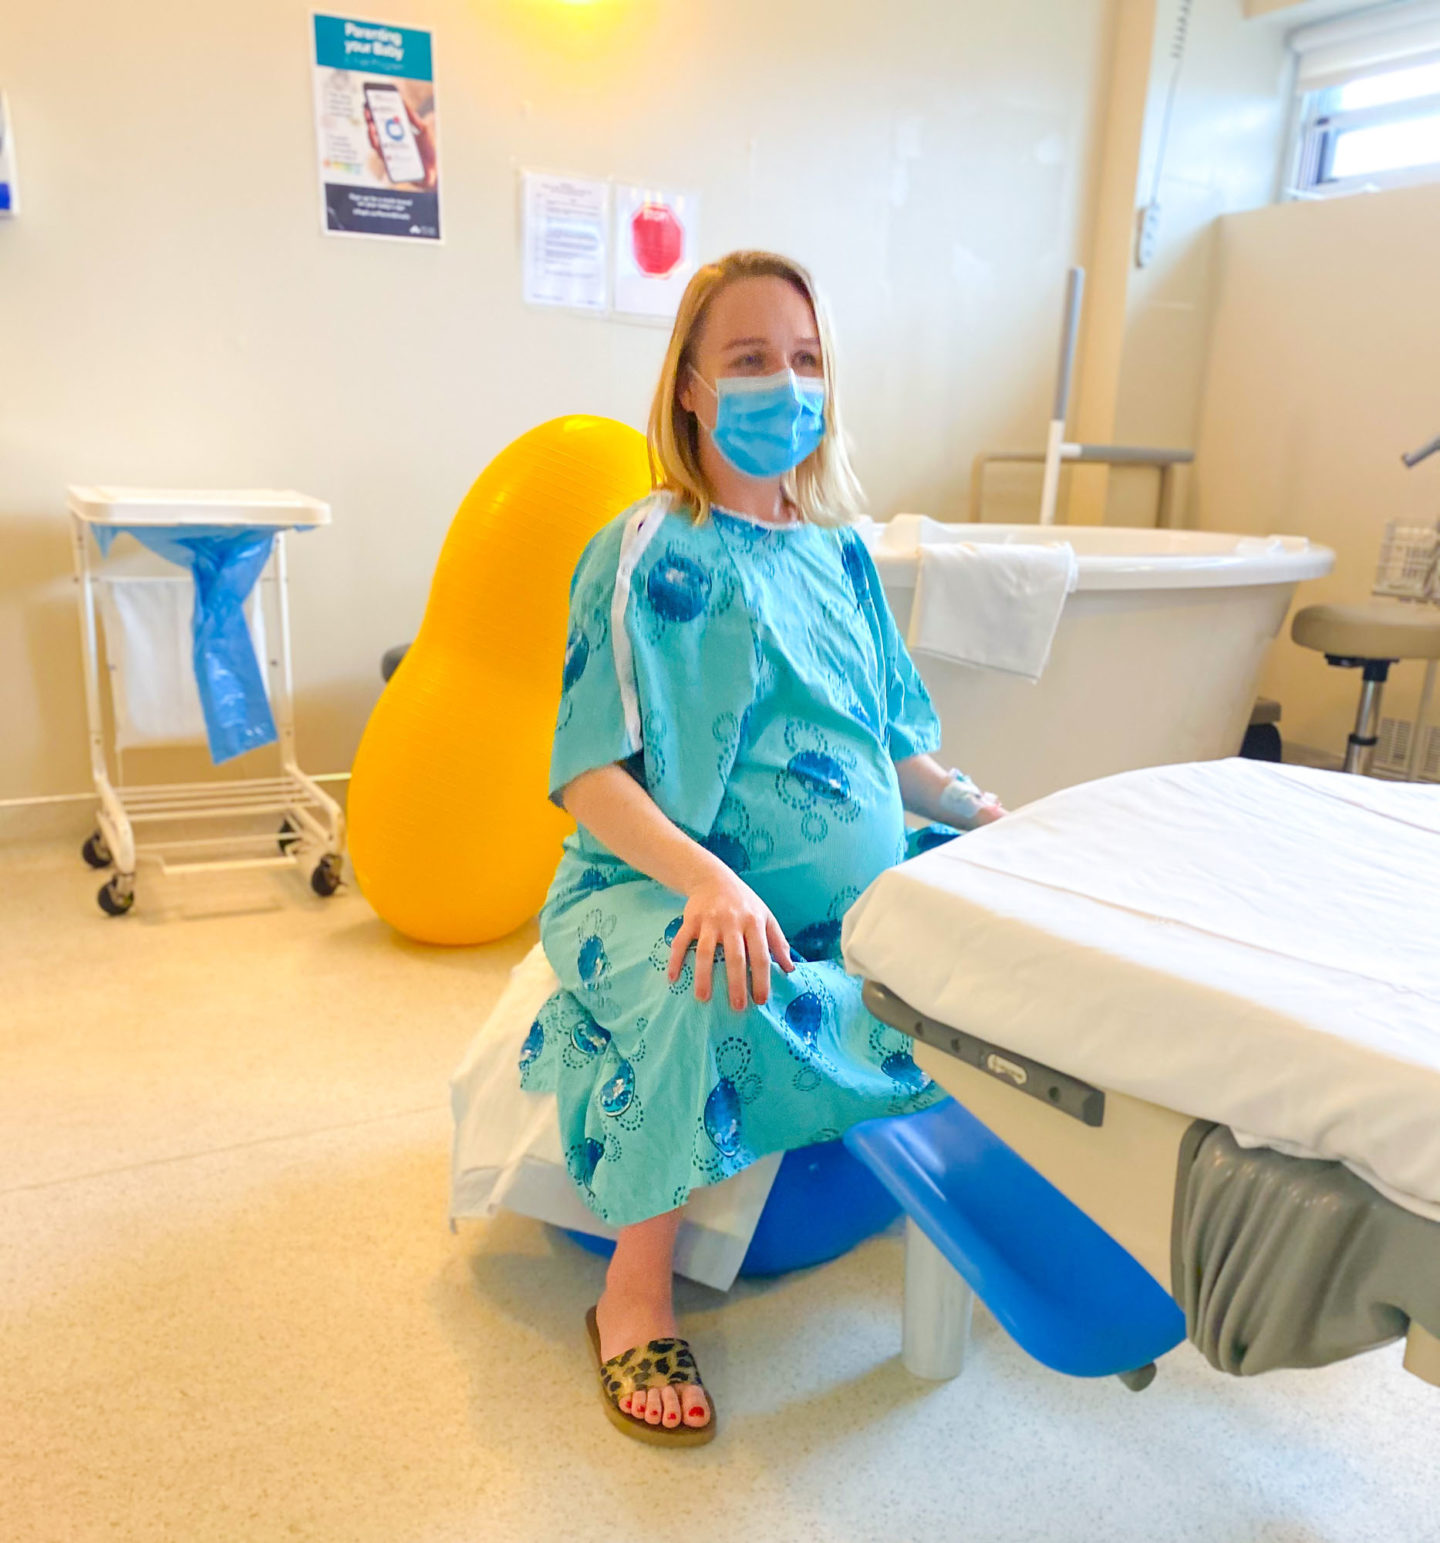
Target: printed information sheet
{"points": [[564, 241]]}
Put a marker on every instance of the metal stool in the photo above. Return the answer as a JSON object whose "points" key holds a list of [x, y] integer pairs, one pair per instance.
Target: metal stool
{"points": [[1369, 637]]}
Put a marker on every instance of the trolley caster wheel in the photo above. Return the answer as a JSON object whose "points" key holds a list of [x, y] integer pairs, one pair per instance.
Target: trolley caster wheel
{"points": [[116, 898], [289, 837], [326, 878], [95, 852]]}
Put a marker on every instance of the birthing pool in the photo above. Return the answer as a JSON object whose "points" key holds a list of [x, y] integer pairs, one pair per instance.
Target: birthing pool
{"points": [[1156, 658]]}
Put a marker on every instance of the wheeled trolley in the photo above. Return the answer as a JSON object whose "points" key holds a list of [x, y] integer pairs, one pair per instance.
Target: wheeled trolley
{"points": [[301, 823]]}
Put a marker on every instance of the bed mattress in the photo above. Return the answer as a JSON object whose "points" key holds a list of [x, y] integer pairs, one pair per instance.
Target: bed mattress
{"points": [[1253, 944]]}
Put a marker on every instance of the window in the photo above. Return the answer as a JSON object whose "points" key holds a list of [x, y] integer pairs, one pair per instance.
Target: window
{"points": [[1369, 101]]}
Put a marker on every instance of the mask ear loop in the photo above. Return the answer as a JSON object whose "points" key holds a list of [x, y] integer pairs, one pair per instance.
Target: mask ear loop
{"points": [[695, 371], [699, 423]]}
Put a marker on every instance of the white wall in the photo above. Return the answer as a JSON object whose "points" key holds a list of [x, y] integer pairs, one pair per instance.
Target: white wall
{"points": [[169, 313], [1324, 367]]}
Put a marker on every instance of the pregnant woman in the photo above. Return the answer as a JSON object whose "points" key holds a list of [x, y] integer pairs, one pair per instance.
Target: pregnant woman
{"points": [[739, 736]]}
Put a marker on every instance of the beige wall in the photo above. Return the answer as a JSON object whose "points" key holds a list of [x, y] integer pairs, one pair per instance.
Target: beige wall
{"points": [[1223, 151], [1109, 257], [1324, 367], [1223, 155], [170, 315]]}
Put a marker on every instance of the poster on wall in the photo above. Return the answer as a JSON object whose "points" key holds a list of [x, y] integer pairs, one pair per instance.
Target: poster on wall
{"points": [[376, 130], [656, 237], [564, 228]]}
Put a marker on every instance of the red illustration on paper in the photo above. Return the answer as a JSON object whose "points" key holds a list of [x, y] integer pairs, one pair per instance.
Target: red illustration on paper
{"points": [[657, 240]]}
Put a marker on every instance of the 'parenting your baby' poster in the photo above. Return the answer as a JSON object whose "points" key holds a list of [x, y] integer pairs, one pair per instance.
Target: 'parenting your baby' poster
{"points": [[376, 130]]}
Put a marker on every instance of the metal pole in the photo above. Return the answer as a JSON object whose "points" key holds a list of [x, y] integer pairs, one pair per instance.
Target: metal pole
{"points": [[1361, 745], [1069, 333], [1412, 761], [938, 1305]]}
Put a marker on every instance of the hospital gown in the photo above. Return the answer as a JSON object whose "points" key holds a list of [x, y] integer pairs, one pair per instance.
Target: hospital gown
{"points": [[762, 695]]}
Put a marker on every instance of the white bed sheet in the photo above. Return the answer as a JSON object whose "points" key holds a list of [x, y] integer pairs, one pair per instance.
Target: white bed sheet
{"points": [[1248, 943]]}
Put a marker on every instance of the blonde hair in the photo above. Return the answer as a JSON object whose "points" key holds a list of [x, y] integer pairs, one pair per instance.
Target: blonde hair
{"points": [[823, 488]]}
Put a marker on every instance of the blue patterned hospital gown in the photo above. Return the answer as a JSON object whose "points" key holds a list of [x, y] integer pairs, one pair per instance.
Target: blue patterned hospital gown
{"points": [[762, 694]]}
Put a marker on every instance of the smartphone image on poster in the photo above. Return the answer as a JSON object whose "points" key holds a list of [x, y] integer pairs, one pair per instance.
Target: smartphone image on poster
{"points": [[393, 129]]}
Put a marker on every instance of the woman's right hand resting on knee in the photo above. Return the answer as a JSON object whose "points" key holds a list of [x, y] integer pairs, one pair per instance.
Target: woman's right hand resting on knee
{"points": [[721, 910]]}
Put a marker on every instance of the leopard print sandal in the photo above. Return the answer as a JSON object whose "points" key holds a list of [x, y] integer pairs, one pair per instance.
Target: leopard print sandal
{"points": [[652, 1365]]}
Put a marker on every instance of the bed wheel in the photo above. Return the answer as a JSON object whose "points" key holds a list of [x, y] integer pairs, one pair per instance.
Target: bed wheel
{"points": [[1140, 1379], [116, 897], [326, 878], [95, 852], [288, 837]]}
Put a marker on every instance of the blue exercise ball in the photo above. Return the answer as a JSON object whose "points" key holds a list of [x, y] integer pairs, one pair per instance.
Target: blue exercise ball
{"points": [[822, 1203]]}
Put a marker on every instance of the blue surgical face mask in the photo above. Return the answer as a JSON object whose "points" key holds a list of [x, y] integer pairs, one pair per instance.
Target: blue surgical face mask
{"points": [[766, 425]]}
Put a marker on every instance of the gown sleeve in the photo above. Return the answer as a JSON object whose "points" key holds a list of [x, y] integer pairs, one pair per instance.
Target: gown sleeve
{"points": [[668, 698], [590, 728], [911, 724]]}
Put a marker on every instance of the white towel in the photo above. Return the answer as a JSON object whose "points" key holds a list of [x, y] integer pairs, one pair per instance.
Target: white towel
{"points": [[990, 605]]}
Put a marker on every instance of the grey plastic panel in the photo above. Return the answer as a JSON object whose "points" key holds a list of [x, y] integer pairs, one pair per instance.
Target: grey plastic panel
{"points": [[1056, 1089]]}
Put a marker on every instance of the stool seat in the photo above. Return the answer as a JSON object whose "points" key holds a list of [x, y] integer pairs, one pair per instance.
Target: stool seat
{"points": [[1377, 630]]}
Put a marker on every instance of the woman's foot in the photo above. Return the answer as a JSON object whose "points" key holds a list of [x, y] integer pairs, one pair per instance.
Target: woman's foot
{"points": [[627, 1318]]}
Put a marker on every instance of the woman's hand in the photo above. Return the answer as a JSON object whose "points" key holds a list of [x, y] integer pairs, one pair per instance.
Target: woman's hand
{"points": [[724, 912], [721, 910], [424, 145], [935, 792], [990, 810]]}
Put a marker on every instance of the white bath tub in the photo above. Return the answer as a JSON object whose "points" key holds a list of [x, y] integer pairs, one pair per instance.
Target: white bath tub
{"points": [[1156, 659]]}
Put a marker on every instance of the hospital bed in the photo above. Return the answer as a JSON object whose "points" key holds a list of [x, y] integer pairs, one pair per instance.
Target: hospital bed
{"points": [[1109, 972]]}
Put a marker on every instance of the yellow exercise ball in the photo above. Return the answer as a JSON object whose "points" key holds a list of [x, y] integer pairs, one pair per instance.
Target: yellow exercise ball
{"points": [[452, 836]]}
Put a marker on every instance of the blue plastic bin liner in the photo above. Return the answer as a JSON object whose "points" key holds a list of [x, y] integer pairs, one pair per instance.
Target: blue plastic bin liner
{"points": [[224, 562]]}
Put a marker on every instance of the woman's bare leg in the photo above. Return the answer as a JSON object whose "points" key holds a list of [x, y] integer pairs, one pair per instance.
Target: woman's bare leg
{"points": [[637, 1305]]}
